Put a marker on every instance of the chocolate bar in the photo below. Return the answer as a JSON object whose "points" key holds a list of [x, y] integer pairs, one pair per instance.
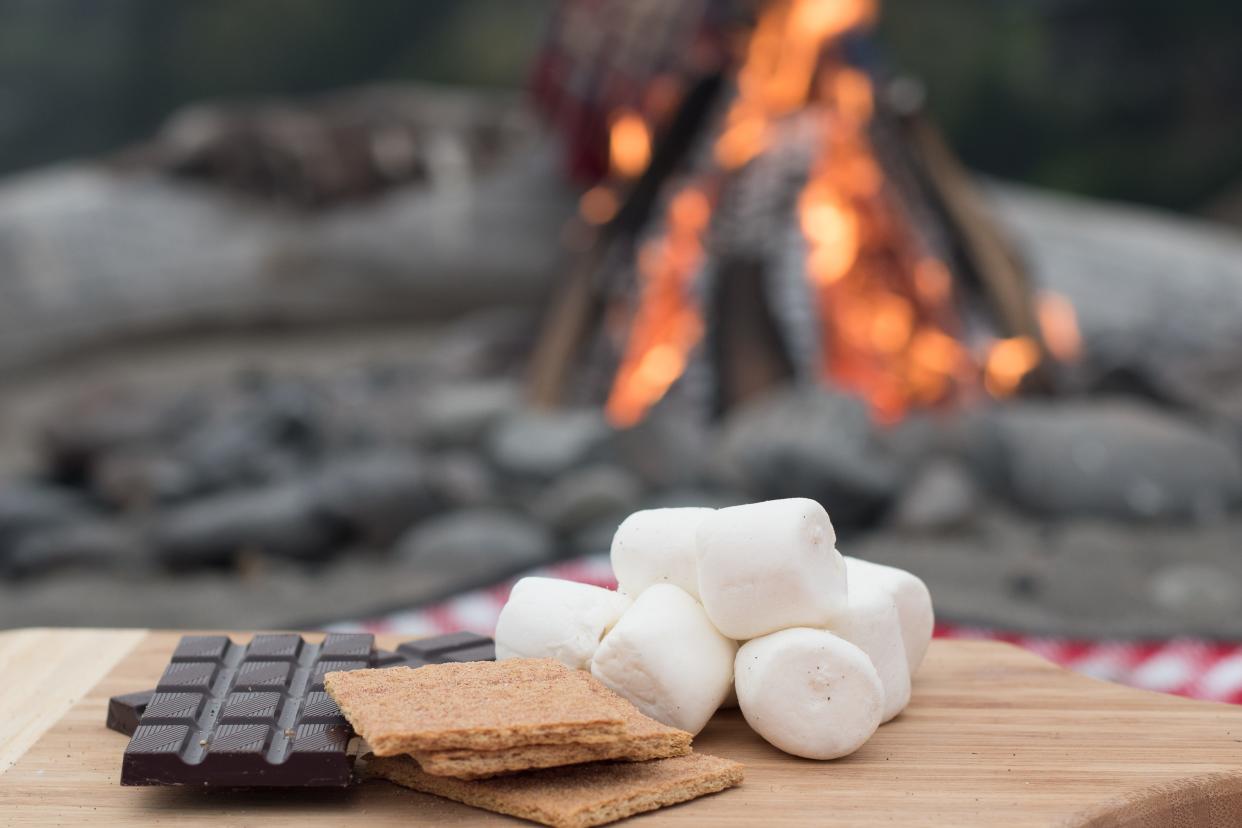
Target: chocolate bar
{"points": [[255, 715], [125, 710]]}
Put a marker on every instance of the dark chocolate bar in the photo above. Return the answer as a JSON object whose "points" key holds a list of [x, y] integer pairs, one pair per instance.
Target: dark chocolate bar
{"points": [[125, 710], [247, 715], [256, 715]]}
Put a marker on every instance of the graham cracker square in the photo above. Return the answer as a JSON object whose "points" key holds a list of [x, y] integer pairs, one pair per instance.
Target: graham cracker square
{"points": [[477, 705], [578, 796], [641, 739]]}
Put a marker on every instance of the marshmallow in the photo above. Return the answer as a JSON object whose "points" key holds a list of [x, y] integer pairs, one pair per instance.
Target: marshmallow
{"points": [[657, 546], [767, 566], [665, 656], [874, 626], [914, 604], [809, 692], [550, 618]]}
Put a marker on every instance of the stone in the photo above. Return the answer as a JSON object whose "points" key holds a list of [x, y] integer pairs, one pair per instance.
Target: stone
{"points": [[595, 539], [1196, 589], [271, 433], [88, 545], [376, 495], [282, 520], [135, 478], [667, 449], [460, 414], [26, 506], [483, 342], [587, 496], [98, 421], [460, 479], [541, 445], [1148, 288], [486, 542], [1110, 457], [806, 441], [940, 496]]}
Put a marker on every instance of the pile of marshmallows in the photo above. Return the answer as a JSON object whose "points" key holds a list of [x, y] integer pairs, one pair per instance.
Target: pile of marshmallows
{"points": [[752, 599]]}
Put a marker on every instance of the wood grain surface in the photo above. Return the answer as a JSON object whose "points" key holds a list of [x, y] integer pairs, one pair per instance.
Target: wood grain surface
{"points": [[995, 736]]}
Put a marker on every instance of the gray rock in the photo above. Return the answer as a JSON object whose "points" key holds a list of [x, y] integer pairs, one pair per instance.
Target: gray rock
{"points": [[485, 342], [375, 495], [940, 496], [1110, 457], [541, 445], [90, 545], [135, 478], [707, 498], [1196, 589], [1148, 288], [460, 479], [669, 448], [27, 506], [482, 542], [282, 520], [588, 496], [594, 539], [809, 442], [461, 414]]}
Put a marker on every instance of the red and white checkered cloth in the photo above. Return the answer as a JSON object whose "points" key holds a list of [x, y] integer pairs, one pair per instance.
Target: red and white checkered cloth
{"points": [[1184, 666]]}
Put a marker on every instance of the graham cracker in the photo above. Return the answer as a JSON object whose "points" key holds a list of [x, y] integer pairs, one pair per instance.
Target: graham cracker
{"points": [[642, 739], [476, 705], [578, 796]]}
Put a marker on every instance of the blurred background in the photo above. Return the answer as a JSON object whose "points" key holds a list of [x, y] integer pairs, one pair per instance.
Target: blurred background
{"points": [[314, 312]]}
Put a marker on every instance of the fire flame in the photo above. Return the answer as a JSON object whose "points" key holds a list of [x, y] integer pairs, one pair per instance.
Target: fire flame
{"points": [[1059, 325], [891, 330], [1009, 360], [598, 205], [629, 144], [667, 325]]}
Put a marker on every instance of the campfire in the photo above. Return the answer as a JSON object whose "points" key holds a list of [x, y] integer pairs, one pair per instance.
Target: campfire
{"points": [[772, 209]]}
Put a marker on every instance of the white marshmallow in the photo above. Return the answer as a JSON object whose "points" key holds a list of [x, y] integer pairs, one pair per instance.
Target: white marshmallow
{"points": [[914, 603], [809, 692], [665, 656], [550, 618], [767, 566], [657, 546], [874, 626]]}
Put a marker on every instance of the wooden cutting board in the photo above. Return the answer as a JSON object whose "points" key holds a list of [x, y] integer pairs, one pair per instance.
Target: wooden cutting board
{"points": [[995, 736]]}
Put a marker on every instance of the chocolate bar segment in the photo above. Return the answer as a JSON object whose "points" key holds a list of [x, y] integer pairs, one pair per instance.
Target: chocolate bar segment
{"points": [[125, 710], [247, 715], [443, 649], [256, 715]]}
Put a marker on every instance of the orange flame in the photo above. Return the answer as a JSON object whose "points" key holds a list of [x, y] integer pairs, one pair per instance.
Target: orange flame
{"points": [[1008, 361], [629, 144], [1058, 323], [667, 325], [598, 205]]}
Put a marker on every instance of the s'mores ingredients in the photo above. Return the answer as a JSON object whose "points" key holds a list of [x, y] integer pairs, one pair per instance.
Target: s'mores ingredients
{"points": [[657, 546], [809, 692], [478, 705], [914, 603], [665, 656], [551, 618], [575, 797], [873, 625], [767, 566]]}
